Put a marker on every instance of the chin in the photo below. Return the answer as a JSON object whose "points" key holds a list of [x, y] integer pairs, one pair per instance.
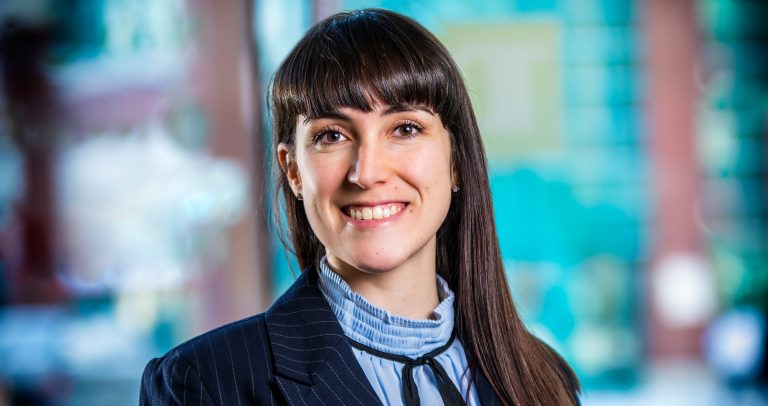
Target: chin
{"points": [[377, 261], [378, 265]]}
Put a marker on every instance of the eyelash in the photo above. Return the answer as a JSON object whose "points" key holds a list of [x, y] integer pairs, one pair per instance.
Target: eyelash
{"points": [[317, 139], [419, 129]]}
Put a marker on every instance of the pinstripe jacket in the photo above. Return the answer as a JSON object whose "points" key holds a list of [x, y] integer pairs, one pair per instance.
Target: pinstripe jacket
{"points": [[294, 354]]}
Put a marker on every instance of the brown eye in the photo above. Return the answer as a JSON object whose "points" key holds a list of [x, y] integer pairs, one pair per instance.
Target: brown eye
{"points": [[408, 130], [333, 136], [329, 137]]}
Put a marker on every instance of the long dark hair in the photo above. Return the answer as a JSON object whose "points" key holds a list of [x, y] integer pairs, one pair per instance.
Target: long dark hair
{"points": [[355, 58]]}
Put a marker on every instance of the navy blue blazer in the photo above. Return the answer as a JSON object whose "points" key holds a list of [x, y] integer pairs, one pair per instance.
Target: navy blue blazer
{"points": [[294, 354]]}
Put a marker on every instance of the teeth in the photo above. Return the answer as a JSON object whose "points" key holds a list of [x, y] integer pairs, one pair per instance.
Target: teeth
{"points": [[374, 213]]}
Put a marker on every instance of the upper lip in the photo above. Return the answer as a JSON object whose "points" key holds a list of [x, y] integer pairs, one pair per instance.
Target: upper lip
{"points": [[373, 204]]}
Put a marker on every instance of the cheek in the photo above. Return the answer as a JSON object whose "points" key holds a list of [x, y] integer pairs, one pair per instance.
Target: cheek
{"points": [[322, 177], [432, 170], [318, 191]]}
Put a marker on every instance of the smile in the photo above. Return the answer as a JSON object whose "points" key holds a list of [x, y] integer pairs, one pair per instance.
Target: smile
{"points": [[377, 212]]}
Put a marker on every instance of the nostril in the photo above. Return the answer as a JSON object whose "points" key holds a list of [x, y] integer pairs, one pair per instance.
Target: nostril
{"points": [[355, 180]]}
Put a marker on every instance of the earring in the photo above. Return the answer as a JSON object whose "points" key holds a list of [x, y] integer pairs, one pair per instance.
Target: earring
{"points": [[455, 188], [299, 197]]}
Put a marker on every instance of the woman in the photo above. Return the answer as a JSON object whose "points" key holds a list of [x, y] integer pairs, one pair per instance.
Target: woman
{"points": [[403, 297]]}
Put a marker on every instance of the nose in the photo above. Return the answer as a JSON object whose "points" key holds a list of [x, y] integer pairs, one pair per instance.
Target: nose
{"points": [[369, 167]]}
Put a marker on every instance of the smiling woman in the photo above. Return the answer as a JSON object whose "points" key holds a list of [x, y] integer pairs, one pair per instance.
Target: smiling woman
{"points": [[376, 186], [403, 296]]}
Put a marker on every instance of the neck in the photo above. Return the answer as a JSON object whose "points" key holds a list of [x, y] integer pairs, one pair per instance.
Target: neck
{"points": [[409, 290]]}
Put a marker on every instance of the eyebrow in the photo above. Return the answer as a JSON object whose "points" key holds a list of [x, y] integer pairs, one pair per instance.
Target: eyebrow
{"points": [[408, 107], [328, 114], [391, 110]]}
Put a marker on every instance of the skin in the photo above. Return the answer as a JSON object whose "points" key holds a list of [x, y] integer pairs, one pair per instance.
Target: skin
{"points": [[352, 158]]}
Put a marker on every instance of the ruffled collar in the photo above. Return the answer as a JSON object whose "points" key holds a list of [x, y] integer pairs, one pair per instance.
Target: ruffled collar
{"points": [[376, 328]]}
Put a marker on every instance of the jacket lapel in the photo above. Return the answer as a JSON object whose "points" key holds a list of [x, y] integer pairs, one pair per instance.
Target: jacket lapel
{"points": [[485, 392], [313, 361], [314, 364]]}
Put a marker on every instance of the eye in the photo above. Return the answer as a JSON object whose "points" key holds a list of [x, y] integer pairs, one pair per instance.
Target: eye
{"points": [[329, 136], [408, 129]]}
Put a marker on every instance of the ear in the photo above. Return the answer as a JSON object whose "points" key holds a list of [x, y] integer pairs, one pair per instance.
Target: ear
{"points": [[455, 178], [287, 159]]}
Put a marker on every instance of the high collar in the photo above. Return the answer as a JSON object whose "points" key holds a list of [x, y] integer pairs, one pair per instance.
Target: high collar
{"points": [[310, 350], [376, 328]]}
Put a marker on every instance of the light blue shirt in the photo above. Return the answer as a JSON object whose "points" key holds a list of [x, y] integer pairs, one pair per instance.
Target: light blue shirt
{"points": [[376, 328]]}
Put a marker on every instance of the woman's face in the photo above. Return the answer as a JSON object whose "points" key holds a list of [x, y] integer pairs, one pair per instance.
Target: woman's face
{"points": [[376, 186]]}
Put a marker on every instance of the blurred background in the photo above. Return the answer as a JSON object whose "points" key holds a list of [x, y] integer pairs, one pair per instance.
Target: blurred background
{"points": [[629, 164]]}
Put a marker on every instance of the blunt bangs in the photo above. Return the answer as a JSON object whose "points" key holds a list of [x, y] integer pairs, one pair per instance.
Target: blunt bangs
{"points": [[360, 60]]}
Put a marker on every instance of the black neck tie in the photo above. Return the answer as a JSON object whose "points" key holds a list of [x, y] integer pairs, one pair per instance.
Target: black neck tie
{"points": [[448, 391]]}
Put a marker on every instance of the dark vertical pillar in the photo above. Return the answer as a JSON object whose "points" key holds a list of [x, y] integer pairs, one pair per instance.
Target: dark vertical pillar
{"points": [[31, 107]]}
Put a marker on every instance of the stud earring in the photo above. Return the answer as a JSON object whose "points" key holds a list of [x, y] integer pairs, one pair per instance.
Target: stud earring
{"points": [[299, 197], [455, 188]]}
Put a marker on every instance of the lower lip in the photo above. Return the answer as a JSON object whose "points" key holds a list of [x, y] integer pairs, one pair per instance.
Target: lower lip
{"points": [[373, 222]]}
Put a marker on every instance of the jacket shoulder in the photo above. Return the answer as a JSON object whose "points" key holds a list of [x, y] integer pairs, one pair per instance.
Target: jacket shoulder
{"points": [[228, 365]]}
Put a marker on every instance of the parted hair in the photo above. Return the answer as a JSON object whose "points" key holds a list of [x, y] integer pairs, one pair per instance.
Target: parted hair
{"points": [[358, 58]]}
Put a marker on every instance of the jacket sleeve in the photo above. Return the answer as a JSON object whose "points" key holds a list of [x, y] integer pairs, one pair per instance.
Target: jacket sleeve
{"points": [[230, 365], [171, 380]]}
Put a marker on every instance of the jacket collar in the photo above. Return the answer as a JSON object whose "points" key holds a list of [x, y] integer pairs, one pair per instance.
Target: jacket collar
{"points": [[312, 357]]}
